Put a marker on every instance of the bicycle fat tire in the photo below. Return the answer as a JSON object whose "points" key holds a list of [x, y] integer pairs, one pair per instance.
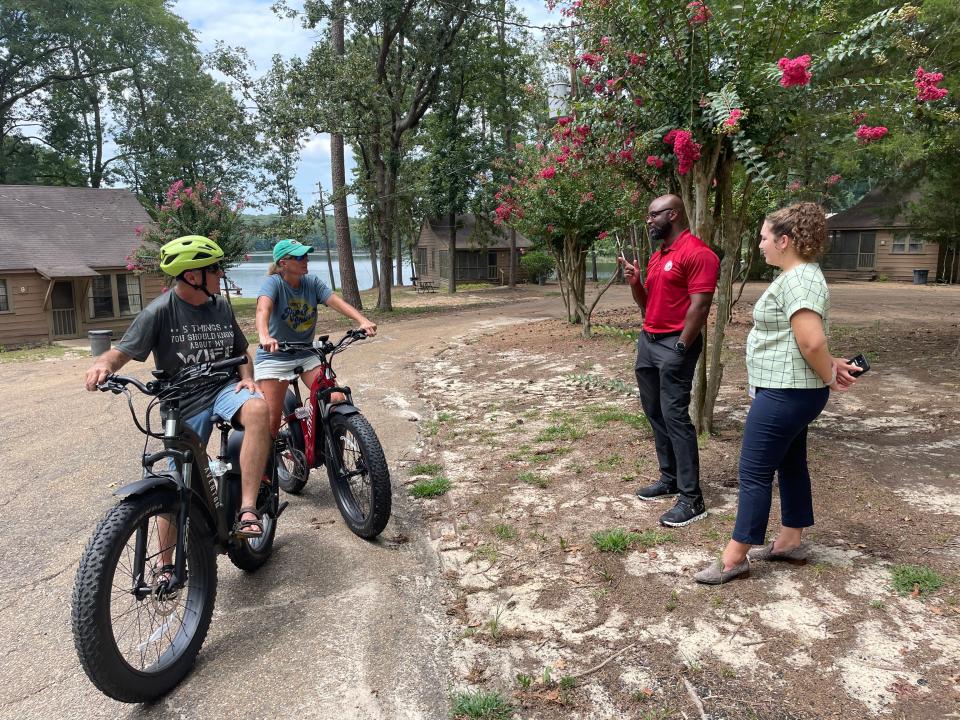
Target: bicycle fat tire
{"points": [[93, 630], [356, 442], [293, 473]]}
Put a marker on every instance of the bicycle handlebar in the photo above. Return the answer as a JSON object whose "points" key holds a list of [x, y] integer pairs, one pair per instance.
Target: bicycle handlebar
{"points": [[116, 383], [322, 345]]}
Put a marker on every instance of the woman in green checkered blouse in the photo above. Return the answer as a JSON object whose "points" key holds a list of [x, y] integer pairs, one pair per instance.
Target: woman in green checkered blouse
{"points": [[791, 373]]}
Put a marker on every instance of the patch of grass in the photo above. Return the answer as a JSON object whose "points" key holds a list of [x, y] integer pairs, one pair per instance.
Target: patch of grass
{"points": [[818, 569], [567, 682], [433, 487], [908, 577], [609, 463], [531, 478], [703, 439], [481, 704], [542, 455], [565, 430], [727, 672], [40, 352], [486, 552], [430, 427], [444, 417], [717, 601], [638, 421], [524, 681], [426, 469], [615, 332], [672, 602], [505, 531], [878, 604], [652, 538], [616, 540]]}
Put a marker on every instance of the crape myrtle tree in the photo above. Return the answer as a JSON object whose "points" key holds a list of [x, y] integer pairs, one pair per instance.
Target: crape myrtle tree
{"points": [[719, 98], [190, 210], [565, 192]]}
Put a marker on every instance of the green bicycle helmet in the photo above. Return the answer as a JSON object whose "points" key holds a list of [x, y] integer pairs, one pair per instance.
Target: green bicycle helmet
{"points": [[190, 252]]}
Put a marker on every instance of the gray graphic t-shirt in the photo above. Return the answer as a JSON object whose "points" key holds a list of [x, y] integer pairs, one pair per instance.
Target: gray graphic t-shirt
{"points": [[178, 334], [294, 316]]}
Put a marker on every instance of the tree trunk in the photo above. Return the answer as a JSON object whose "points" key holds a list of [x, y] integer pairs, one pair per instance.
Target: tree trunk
{"points": [[593, 261], [372, 239], [338, 182], [452, 251], [387, 184]]}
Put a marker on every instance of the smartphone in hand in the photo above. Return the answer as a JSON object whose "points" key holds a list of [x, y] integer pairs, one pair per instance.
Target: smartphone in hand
{"points": [[861, 362]]}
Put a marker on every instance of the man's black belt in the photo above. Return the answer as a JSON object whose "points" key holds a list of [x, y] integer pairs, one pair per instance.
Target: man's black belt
{"points": [[653, 337]]}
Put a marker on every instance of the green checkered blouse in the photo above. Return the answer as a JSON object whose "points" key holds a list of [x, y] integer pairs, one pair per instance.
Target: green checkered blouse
{"points": [[773, 357]]}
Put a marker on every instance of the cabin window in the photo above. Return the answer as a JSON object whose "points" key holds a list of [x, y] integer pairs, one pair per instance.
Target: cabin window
{"points": [[4, 297]]}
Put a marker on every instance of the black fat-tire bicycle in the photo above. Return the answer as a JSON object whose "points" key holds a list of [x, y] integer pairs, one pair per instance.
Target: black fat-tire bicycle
{"points": [[336, 435], [147, 581]]}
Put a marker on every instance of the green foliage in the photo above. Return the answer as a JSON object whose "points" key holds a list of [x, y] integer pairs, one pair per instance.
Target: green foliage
{"points": [[433, 487], [426, 469], [192, 211], [908, 578], [481, 705], [616, 541], [538, 265]]}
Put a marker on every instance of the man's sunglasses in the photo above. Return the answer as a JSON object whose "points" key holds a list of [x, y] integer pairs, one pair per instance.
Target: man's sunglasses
{"points": [[652, 215]]}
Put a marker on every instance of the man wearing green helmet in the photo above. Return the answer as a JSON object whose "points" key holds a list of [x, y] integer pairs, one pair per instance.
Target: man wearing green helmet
{"points": [[193, 324]]}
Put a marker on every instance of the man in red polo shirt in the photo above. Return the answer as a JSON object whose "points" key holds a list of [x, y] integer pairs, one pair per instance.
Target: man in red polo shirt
{"points": [[681, 278]]}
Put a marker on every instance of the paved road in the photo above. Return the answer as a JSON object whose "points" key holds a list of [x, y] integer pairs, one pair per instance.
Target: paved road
{"points": [[331, 627]]}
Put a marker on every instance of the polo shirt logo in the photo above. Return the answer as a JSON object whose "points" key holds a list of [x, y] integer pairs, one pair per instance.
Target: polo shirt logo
{"points": [[668, 266]]}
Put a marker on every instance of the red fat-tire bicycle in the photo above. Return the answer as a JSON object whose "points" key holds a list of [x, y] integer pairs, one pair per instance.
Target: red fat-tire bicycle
{"points": [[335, 435]]}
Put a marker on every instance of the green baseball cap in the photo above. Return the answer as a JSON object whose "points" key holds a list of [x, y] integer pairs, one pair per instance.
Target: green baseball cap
{"points": [[290, 247]]}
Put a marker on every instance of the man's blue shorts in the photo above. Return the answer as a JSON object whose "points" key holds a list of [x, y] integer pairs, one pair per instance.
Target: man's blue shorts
{"points": [[227, 404]]}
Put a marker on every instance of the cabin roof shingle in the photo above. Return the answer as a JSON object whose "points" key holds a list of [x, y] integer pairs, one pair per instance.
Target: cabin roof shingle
{"points": [[67, 231], [467, 226], [879, 208]]}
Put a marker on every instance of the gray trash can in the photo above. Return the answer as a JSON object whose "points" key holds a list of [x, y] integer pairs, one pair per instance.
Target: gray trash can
{"points": [[920, 277], [99, 341]]}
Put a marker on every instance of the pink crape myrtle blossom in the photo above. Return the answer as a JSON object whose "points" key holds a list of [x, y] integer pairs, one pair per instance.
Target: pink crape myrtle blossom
{"points": [[866, 134], [700, 12], [734, 117], [794, 71], [833, 180], [654, 161], [603, 235], [548, 172], [926, 85], [858, 117], [637, 58], [684, 147], [592, 59], [795, 186]]}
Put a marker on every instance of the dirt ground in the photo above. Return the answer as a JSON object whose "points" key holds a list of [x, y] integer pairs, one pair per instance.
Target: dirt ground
{"points": [[541, 436]]}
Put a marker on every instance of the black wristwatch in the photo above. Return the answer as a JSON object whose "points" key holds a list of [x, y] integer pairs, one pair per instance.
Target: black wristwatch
{"points": [[680, 347]]}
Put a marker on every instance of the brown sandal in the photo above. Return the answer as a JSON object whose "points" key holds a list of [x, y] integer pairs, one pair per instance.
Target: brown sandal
{"points": [[240, 525]]}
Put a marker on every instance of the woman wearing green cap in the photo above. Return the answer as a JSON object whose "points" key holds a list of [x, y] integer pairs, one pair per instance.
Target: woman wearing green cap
{"points": [[287, 312]]}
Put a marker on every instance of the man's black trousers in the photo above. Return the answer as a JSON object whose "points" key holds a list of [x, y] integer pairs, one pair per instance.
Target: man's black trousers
{"points": [[664, 378]]}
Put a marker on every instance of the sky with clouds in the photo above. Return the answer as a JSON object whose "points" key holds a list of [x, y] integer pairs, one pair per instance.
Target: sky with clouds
{"points": [[252, 25]]}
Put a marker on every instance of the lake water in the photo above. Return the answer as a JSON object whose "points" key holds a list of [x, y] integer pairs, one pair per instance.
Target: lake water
{"points": [[249, 276]]}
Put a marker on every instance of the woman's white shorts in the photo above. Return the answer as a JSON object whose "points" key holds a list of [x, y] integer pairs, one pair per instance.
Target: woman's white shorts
{"points": [[283, 369]]}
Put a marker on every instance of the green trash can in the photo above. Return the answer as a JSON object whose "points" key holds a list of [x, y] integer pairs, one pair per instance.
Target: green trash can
{"points": [[99, 341], [920, 277]]}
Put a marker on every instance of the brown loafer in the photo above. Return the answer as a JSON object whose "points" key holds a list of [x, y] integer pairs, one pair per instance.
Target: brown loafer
{"points": [[796, 556], [714, 574]]}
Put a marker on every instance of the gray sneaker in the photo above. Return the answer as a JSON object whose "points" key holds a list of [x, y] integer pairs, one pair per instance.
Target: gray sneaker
{"points": [[714, 574]]}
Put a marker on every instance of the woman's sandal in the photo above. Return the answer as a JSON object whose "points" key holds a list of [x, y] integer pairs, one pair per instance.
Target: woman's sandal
{"points": [[238, 527]]}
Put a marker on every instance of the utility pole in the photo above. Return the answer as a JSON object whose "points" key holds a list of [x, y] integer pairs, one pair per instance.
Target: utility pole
{"points": [[326, 238]]}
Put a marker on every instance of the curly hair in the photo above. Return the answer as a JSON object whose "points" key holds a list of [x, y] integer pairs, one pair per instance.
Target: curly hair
{"points": [[805, 224]]}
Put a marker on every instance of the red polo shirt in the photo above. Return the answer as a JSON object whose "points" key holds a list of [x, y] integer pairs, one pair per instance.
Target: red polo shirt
{"points": [[688, 266]]}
